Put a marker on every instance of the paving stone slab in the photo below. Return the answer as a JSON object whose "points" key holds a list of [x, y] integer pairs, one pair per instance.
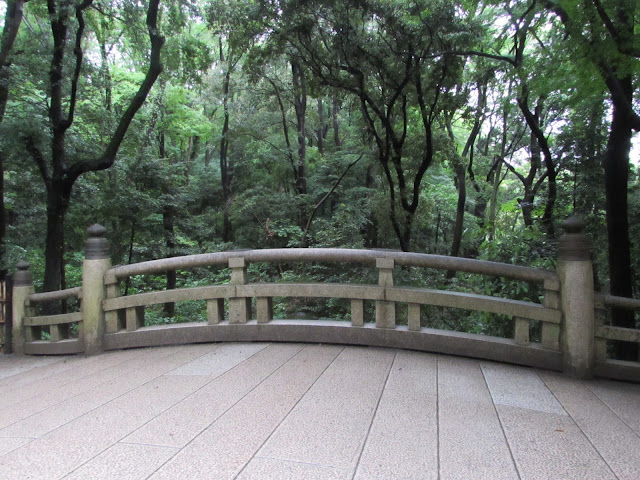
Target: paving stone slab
{"points": [[614, 440], [69, 371], [547, 446], [64, 449], [519, 387], [220, 360], [57, 403], [142, 370], [11, 365], [271, 469], [123, 462], [10, 444], [222, 450], [329, 424], [403, 441], [621, 398], [472, 443], [180, 424]]}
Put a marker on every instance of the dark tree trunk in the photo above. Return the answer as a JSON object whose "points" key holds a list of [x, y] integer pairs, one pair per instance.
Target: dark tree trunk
{"points": [[371, 227], [616, 172], [58, 197], [168, 214], [462, 200], [321, 127], [336, 126], [300, 104], [12, 21], [225, 168], [540, 146]]}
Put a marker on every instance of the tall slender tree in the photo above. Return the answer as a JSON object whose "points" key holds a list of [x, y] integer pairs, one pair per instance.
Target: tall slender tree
{"points": [[60, 170]]}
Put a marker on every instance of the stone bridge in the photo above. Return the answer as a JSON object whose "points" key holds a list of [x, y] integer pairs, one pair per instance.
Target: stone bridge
{"points": [[245, 396]]}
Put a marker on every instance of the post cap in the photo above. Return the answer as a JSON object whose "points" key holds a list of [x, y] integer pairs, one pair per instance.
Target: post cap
{"points": [[22, 277], [97, 247], [574, 224], [574, 245]]}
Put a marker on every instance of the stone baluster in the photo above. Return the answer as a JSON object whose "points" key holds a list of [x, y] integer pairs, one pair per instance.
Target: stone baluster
{"points": [[550, 336], [385, 310], [239, 307]]}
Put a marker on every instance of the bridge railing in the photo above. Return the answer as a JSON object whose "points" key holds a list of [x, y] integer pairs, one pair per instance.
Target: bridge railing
{"points": [[48, 334], [569, 338], [126, 314], [604, 334]]}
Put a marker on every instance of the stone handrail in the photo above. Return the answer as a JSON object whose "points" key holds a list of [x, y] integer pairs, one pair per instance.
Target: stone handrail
{"points": [[58, 327], [75, 292], [608, 300], [365, 257], [609, 332]]}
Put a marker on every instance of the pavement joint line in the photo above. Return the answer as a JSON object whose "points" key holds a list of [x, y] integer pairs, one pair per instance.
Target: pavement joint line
{"points": [[292, 407], [113, 399], [304, 347], [145, 445], [192, 393], [232, 405], [373, 416], [595, 394], [297, 462], [84, 392], [74, 380], [584, 384], [437, 362], [537, 372], [106, 403], [495, 409]]}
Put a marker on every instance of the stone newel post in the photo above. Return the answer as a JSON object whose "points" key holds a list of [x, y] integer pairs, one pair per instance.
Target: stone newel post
{"points": [[96, 263], [575, 271], [22, 288]]}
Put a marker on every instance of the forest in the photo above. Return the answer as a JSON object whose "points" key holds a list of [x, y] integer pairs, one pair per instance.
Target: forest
{"points": [[465, 128]]}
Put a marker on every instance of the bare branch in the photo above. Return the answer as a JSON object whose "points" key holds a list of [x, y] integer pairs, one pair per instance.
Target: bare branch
{"points": [[324, 198]]}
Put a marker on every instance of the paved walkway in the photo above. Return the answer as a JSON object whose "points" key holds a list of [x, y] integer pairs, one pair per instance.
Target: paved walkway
{"points": [[292, 411]]}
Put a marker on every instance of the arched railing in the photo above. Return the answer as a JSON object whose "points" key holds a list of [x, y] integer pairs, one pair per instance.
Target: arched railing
{"points": [[571, 336]]}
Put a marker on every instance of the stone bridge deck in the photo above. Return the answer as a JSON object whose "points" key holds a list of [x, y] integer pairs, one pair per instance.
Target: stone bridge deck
{"points": [[294, 411]]}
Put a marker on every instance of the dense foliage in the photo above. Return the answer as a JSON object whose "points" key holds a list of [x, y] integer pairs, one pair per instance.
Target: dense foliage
{"points": [[470, 128]]}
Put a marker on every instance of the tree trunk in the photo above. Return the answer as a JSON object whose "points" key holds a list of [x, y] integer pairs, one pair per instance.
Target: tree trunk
{"points": [[462, 200], [371, 227], [12, 21], [336, 127], [321, 130], [300, 104], [225, 174], [58, 196], [491, 220], [616, 173], [167, 221], [168, 211]]}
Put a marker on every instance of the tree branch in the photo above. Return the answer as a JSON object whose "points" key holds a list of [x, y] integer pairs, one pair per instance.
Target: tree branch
{"points": [[323, 199], [78, 67], [155, 68], [37, 156]]}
